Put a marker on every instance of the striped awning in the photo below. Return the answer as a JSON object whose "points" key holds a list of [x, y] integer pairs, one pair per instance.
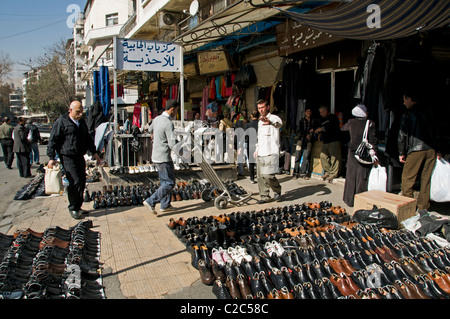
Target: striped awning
{"points": [[378, 19]]}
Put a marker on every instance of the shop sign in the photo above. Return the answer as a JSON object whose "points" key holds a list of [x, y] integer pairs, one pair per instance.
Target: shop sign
{"points": [[141, 55], [213, 62], [293, 37]]}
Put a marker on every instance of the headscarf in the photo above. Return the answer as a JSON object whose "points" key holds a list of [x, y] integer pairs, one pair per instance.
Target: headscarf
{"points": [[359, 111]]}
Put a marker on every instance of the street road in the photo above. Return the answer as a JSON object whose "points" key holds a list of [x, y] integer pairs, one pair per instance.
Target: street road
{"points": [[11, 183]]}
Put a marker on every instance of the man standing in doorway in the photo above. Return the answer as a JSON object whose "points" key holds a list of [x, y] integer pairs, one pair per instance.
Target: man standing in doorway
{"points": [[22, 148], [418, 147], [268, 153], [305, 134], [330, 155], [6, 133], [70, 139], [163, 143]]}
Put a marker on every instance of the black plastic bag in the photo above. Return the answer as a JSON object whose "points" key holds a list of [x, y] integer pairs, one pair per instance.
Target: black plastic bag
{"points": [[379, 217], [246, 76]]}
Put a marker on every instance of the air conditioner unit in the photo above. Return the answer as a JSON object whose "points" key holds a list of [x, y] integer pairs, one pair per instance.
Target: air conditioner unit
{"points": [[168, 20]]}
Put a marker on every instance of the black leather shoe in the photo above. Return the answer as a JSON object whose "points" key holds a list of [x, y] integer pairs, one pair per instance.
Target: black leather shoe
{"points": [[76, 214]]}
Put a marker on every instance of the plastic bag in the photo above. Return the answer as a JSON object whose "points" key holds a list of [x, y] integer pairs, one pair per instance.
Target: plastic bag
{"points": [[377, 179], [440, 182], [379, 217], [53, 180]]}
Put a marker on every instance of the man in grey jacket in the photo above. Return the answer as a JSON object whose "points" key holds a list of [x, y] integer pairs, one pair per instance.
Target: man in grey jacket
{"points": [[163, 144]]}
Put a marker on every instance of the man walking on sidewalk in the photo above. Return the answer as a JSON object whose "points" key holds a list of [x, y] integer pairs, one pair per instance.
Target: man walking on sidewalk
{"points": [[22, 148], [163, 144], [70, 139], [6, 132]]}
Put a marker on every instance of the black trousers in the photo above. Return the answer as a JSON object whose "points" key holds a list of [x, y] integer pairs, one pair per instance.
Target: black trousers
{"points": [[75, 168], [8, 154], [23, 164]]}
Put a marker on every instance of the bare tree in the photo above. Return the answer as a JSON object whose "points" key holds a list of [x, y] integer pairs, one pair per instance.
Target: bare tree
{"points": [[51, 87], [5, 65]]}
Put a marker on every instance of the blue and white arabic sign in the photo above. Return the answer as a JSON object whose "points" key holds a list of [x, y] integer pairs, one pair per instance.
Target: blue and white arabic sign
{"points": [[147, 55]]}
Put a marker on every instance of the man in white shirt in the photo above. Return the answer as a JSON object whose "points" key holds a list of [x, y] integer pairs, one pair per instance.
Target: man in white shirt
{"points": [[268, 153]]}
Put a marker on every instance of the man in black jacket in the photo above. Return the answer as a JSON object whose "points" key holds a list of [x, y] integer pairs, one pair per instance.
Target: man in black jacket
{"points": [[418, 147], [70, 139], [22, 148]]}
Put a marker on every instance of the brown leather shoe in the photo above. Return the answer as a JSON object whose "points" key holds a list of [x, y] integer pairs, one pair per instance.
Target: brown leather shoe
{"points": [[233, 288], [286, 294], [441, 279], [416, 289], [206, 275], [172, 223], [341, 284], [274, 294], [405, 290], [244, 288]]}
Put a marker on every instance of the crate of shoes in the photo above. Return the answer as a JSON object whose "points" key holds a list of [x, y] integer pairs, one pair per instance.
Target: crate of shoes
{"points": [[311, 251], [55, 264]]}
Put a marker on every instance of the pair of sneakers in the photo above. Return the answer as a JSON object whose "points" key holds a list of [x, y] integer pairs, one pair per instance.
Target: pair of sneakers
{"points": [[237, 254], [221, 256], [274, 247]]}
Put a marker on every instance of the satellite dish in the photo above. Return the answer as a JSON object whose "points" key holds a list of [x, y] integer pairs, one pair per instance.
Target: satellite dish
{"points": [[168, 19], [193, 9]]}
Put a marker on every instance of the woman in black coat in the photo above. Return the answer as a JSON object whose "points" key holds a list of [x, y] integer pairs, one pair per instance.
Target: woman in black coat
{"points": [[357, 175]]}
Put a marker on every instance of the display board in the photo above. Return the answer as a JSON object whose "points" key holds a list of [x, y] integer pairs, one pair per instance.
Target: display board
{"points": [[213, 62]]}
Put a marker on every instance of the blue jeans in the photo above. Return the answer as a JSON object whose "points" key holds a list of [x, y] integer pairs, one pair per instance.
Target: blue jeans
{"points": [[163, 194], [34, 153]]}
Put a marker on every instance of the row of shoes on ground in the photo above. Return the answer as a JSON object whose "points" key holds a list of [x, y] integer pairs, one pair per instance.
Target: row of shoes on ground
{"points": [[362, 240], [35, 187], [136, 194], [265, 225], [143, 168], [38, 264]]}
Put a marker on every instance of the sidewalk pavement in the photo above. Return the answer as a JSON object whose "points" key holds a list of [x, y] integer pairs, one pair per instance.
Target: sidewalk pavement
{"points": [[142, 258]]}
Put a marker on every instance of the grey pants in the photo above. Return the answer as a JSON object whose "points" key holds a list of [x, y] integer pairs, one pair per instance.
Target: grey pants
{"points": [[266, 168]]}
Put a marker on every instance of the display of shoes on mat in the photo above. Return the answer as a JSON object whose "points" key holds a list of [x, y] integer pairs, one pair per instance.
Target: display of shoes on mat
{"points": [[312, 251], [55, 264]]}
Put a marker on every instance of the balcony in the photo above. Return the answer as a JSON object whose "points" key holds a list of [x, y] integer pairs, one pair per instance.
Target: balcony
{"points": [[101, 33]]}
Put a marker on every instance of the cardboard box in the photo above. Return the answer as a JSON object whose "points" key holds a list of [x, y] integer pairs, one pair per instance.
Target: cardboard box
{"points": [[403, 207]]}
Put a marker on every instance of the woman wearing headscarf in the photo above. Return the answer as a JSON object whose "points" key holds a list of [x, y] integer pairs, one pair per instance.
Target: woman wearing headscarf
{"points": [[357, 175]]}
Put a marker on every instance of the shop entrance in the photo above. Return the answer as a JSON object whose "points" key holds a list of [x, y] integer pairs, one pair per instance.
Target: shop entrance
{"points": [[336, 87]]}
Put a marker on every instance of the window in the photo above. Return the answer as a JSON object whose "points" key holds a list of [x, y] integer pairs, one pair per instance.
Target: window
{"points": [[112, 19]]}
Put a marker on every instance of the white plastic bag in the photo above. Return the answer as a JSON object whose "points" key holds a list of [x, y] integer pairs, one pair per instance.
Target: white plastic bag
{"points": [[53, 180], [377, 179], [440, 182]]}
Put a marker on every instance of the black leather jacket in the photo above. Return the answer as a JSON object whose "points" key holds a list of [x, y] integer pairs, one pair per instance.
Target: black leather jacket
{"points": [[418, 131], [68, 139]]}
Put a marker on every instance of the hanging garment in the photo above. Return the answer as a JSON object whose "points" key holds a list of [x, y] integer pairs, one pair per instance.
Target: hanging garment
{"points": [[96, 88], [137, 115], [291, 84], [105, 92]]}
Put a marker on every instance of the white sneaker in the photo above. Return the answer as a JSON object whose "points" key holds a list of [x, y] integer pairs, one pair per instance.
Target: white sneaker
{"points": [[243, 253], [270, 249], [217, 257], [225, 256], [278, 249]]}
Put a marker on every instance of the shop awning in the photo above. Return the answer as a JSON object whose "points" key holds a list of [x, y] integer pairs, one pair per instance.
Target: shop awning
{"points": [[377, 19], [237, 21]]}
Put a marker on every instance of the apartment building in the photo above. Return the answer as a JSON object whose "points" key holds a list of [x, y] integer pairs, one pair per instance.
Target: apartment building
{"points": [[93, 34]]}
